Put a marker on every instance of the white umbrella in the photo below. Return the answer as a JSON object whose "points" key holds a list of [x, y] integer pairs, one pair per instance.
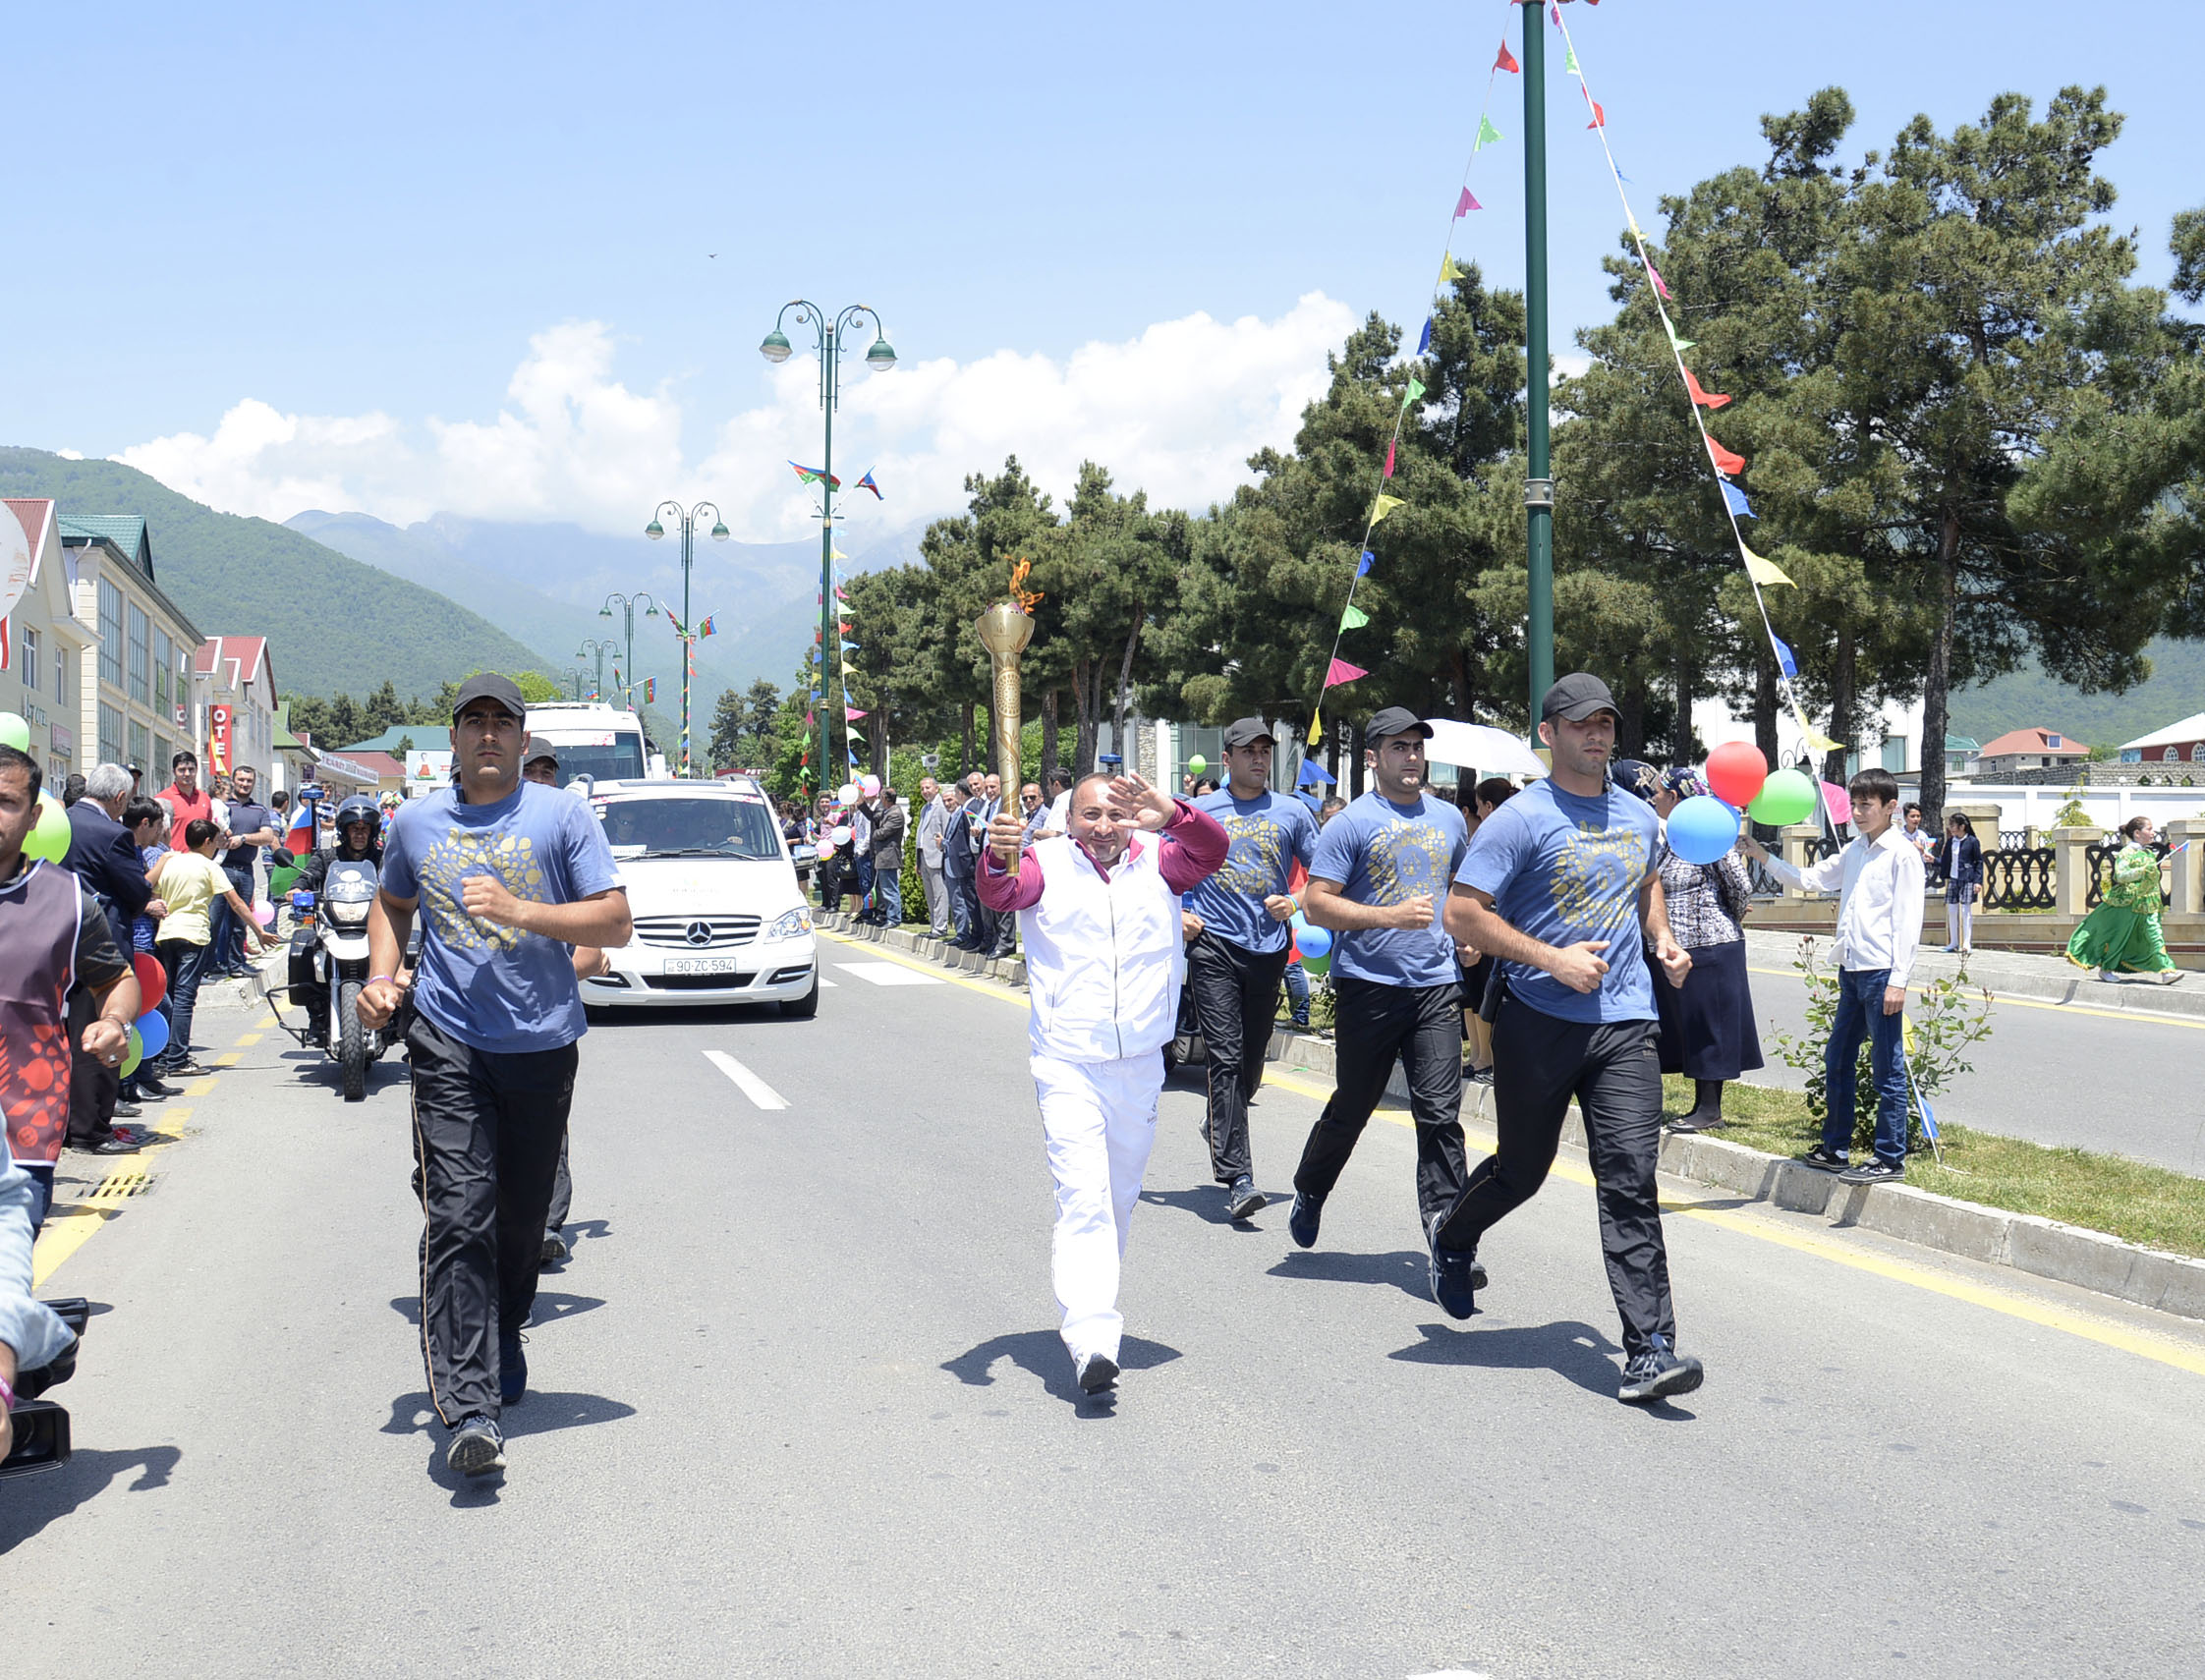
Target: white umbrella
{"points": [[1480, 746]]}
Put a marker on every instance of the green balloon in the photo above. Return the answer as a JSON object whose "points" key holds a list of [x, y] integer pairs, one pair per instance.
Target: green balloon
{"points": [[1317, 964], [1196, 764], [134, 1052], [1785, 798], [14, 731], [49, 835]]}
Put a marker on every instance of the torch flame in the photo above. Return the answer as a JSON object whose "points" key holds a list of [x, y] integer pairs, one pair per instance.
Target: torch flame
{"points": [[1025, 597]]}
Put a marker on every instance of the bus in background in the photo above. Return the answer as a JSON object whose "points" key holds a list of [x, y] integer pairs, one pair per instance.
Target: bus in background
{"points": [[594, 740]]}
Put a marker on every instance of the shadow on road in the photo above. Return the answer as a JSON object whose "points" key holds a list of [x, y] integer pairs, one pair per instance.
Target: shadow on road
{"points": [[541, 1413], [1205, 1202], [550, 1306], [34, 1501], [1406, 1270], [1040, 1353], [1565, 1347]]}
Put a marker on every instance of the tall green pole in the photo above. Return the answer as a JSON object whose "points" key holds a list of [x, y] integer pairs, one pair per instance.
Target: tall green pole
{"points": [[830, 624], [1539, 485], [688, 632]]}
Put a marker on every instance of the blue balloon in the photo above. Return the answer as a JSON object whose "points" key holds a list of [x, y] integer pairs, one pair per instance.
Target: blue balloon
{"points": [[152, 1032], [1314, 941], [1702, 829]]}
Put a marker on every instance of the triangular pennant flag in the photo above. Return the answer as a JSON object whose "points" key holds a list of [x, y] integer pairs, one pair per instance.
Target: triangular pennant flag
{"points": [[1415, 390], [1599, 117], [1488, 135], [1785, 661], [1569, 63], [1815, 738], [851, 713], [1555, 12], [1340, 671], [1726, 462], [836, 553], [1764, 572], [1364, 565], [1384, 506], [810, 718], [1507, 60], [1660, 285], [1424, 341], [1735, 500], [1317, 726], [1353, 617], [1466, 203], [1389, 442], [1449, 269], [1681, 345], [1706, 399]]}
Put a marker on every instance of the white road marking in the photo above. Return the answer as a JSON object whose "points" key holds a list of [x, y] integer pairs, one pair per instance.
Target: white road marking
{"points": [[831, 985], [748, 1083], [887, 974]]}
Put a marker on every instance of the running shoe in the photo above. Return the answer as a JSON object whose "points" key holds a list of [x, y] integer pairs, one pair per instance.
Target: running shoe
{"points": [[1658, 1372], [1478, 1076], [1874, 1170], [1823, 1158], [1098, 1372], [477, 1446], [1242, 1197], [555, 1250], [512, 1367], [1302, 1218], [1456, 1277]]}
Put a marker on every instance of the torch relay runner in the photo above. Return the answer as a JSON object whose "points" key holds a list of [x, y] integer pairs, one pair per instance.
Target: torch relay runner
{"points": [[507, 875], [1098, 909]]}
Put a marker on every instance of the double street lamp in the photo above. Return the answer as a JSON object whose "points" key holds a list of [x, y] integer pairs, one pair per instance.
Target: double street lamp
{"points": [[628, 605], [601, 645], [881, 358], [654, 531]]}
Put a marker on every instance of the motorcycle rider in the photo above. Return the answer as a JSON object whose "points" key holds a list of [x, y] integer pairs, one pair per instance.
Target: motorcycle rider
{"points": [[359, 839]]}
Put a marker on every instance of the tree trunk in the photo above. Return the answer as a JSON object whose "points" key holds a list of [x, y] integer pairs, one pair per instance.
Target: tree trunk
{"points": [[1936, 710], [1049, 736], [1458, 664], [1125, 684], [1765, 699], [1355, 763], [1082, 702], [1680, 725], [1630, 725], [1844, 681]]}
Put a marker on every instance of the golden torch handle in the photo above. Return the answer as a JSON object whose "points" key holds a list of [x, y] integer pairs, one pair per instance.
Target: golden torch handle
{"points": [[1004, 630]]}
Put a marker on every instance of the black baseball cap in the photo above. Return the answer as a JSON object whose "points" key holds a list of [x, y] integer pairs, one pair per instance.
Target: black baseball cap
{"points": [[1577, 696], [540, 755], [489, 686], [1242, 731], [1396, 720]]}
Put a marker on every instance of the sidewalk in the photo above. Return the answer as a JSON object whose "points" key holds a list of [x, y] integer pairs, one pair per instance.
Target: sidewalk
{"points": [[2017, 974]]}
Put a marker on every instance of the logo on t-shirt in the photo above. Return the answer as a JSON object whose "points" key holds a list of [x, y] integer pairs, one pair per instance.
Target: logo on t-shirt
{"points": [[1407, 859], [1256, 863], [1596, 876], [460, 853]]}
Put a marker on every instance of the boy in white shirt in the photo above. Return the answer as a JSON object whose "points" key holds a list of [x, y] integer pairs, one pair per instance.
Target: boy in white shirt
{"points": [[1879, 881]]}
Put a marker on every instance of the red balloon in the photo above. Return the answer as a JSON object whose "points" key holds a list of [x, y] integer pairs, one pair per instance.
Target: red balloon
{"points": [[1735, 771], [152, 979]]}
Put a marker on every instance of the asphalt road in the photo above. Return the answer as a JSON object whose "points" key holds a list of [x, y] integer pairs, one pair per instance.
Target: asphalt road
{"points": [[800, 1410], [2115, 1081]]}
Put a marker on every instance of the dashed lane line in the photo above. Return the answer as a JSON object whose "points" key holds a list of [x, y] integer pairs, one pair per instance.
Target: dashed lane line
{"points": [[748, 1083], [249, 1041], [888, 973]]}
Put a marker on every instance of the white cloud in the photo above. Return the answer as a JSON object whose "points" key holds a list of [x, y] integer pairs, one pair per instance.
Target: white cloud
{"points": [[1175, 412]]}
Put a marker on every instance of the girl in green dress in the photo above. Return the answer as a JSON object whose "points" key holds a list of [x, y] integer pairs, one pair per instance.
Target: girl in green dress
{"points": [[2121, 936]]}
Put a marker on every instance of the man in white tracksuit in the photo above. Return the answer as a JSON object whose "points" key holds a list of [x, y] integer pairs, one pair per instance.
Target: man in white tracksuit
{"points": [[1098, 908]]}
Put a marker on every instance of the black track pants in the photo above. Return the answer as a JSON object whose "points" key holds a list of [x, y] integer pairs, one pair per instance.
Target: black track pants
{"points": [[1235, 993], [1374, 1024]]}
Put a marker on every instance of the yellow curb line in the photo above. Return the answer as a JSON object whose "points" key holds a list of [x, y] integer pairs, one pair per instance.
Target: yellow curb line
{"points": [[249, 1041], [2142, 1017], [228, 1059]]}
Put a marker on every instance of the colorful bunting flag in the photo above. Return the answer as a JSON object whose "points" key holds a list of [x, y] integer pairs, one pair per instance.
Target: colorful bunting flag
{"points": [[1364, 565], [1450, 269], [1726, 462], [1353, 617], [1389, 473], [1816, 740], [837, 555], [851, 713], [1569, 63], [1681, 345], [1785, 661], [1735, 500], [1384, 506], [1317, 726], [1507, 60], [1466, 203], [1706, 399], [867, 484], [1416, 389], [1599, 117], [1488, 135], [1340, 671], [1764, 572], [1423, 340], [705, 629], [1660, 285]]}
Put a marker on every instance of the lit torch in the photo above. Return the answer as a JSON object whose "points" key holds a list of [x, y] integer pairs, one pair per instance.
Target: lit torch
{"points": [[1004, 631]]}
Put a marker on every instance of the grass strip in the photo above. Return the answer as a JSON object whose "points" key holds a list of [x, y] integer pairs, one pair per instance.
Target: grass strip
{"points": [[2155, 1206]]}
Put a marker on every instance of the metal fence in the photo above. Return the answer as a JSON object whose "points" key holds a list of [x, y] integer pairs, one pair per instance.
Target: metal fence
{"points": [[2097, 871], [2020, 877]]}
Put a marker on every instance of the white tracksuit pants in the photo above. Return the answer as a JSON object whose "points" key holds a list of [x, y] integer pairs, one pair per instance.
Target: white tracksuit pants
{"points": [[1098, 1120]]}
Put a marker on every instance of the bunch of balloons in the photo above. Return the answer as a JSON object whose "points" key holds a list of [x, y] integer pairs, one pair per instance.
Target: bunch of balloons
{"points": [[148, 1034], [1311, 945], [1703, 829]]}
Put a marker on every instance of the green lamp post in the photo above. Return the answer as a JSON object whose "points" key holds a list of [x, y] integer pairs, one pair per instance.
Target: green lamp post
{"points": [[627, 605], [599, 646], [881, 358], [654, 531], [1539, 485]]}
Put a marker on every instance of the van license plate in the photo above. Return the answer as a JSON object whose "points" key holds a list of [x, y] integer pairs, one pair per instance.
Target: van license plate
{"points": [[702, 966]]}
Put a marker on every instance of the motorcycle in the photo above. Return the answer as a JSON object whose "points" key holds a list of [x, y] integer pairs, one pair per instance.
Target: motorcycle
{"points": [[329, 966]]}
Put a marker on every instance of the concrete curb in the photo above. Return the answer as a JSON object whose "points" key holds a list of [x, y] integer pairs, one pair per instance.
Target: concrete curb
{"points": [[2009, 973], [2042, 1248]]}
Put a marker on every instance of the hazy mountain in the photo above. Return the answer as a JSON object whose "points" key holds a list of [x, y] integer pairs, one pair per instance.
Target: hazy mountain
{"points": [[333, 623], [2028, 699]]}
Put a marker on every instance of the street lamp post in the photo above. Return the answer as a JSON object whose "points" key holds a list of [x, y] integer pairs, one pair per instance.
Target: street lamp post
{"points": [[576, 678], [1539, 485], [881, 358], [654, 531], [601, 645], [628, 605]]}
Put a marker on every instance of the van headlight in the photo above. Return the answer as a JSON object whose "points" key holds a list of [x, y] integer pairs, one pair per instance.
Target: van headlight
{"points": [[796, 922]]}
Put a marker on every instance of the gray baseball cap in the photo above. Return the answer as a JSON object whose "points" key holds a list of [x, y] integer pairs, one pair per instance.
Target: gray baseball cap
{"points": [[1241, 731], [1396, 720], [1577, 696]]}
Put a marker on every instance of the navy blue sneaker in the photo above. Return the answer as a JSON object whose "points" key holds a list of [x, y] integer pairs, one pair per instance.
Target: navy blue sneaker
{"points": [[477, 1446], [1658, 1372], [1242, 1197], [1457, 1278], [1302, 1218], [512, 1367]]}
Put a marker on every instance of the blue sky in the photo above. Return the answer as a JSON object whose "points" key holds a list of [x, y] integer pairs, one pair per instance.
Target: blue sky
{"points": [[358, 219]]}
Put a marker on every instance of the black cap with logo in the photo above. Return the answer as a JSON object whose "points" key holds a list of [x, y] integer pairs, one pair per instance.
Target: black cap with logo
{"points": [[489, 686], [1577, 696], [1396, 720]]}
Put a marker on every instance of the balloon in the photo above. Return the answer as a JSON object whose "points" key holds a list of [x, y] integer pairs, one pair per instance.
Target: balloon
{"points": [[1702, 829], [134, 1052], [49, 835], [1315, 942], [14, 731], [1735, 771], [847, 794], [264, 914], [153, 981], [841, 834], [1317, 964], [869, 786], [1196, 764], [1785, 798], [151, 1032]]}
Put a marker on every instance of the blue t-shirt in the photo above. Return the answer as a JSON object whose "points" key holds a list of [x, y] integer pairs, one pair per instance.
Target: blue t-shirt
{"points": [[490, 986], [1381, 853], [1269, 834], [1565, 869]]}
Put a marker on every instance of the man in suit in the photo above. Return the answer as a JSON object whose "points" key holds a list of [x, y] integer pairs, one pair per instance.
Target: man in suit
{"points": [[102, 855], [959, 863], [933, 821]]}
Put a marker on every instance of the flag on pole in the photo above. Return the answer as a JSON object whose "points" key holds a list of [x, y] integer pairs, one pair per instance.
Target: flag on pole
{"points": [[1785, 661], [705, 629], [1364, 565], [651, 690], [1507, 60], [1764, 572], [1735, 500], [814, 474], [1340, 671], [1353, 617], [1384, 506], [867, 484], [1466, 203], [300, 838]]}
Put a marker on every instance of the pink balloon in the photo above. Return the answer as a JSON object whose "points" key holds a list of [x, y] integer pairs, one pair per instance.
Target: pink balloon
{"points": [[264, 914]]}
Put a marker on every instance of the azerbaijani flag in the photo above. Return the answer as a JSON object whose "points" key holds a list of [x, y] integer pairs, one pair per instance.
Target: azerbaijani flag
{"points": [[813, 476], [705, 629], [651, 690], [867, 484]]}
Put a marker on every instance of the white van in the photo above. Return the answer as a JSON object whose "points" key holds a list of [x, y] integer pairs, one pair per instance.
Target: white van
{"points": [[591, 739], [719, 915]]}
